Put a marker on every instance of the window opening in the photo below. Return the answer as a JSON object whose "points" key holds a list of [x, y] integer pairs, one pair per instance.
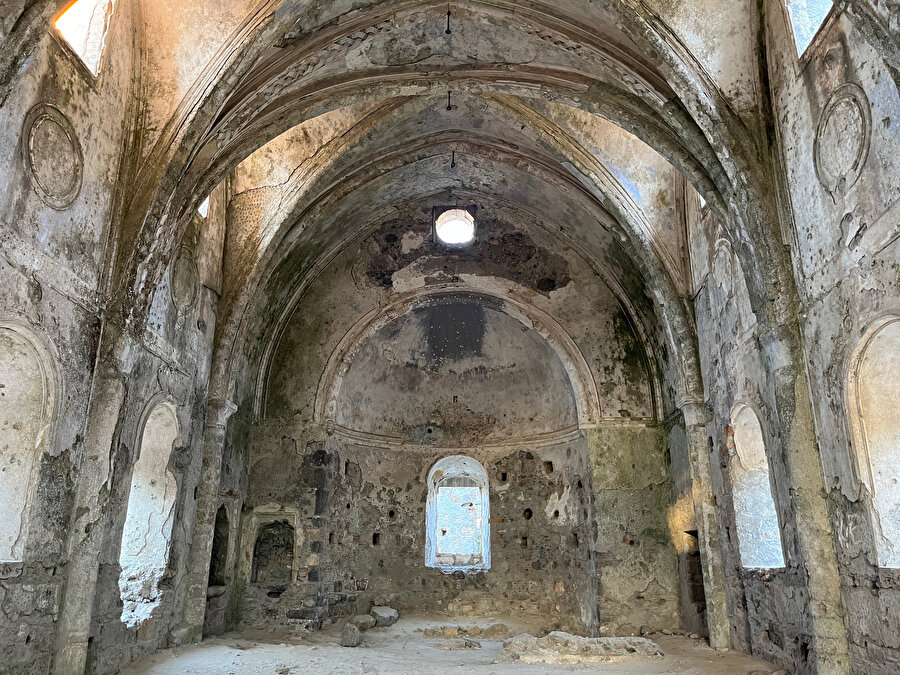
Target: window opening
{"points": [[455, 227], [759, 536], [874, 391], [807, 16], [458, 512], [84, 26], [148, 521]]}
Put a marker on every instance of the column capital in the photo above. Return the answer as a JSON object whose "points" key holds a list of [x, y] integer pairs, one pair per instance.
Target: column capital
{"points": [[219, 411], [693, 409]]}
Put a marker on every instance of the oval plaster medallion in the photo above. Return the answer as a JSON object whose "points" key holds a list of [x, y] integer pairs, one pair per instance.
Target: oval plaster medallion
{"points": [[52, 154], [185, 280], [842, 138]]}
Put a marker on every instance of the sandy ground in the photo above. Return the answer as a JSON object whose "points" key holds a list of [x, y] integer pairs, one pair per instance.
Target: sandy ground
{"points": [[402, 648]]}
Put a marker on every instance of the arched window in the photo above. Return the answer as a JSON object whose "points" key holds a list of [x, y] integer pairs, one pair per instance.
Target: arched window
{"points": [[148, 522], [26, 404], [759, 536], [874, 396], [457, 533], [83, 26]]}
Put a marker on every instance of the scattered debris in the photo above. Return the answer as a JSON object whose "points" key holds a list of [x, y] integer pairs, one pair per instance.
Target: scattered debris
{"points": [[559, 647]]}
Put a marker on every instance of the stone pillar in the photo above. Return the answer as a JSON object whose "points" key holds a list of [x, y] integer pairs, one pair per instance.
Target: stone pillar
{"points": [[695, 419], [90, 520], [219, 411], [808, 503]]}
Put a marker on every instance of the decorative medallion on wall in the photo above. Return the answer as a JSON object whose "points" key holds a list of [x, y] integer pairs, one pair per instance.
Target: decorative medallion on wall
{"points": [[52, 155], [842, 138], [185, 280]]}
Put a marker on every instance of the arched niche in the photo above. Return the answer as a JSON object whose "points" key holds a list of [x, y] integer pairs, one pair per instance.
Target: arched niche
{"points": [[758, 530], [27, 398], [148, 521], [218, 561], [457, 512], [874, 392], [459, 368]]}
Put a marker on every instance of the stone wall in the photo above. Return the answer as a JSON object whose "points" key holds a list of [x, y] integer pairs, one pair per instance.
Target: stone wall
{"points": [[836, 116], [355, 417], [361, 515], [58, 187]]}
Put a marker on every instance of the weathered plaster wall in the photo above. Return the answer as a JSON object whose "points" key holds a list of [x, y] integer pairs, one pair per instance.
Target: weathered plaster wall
{"points": [[395, 398], [456, 368], [58, 174], [634, 551], [767, 607], [836, 112], [172, 365]]}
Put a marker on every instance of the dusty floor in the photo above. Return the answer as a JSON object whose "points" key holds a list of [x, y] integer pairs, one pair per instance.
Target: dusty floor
{"points": [[403, 649]]}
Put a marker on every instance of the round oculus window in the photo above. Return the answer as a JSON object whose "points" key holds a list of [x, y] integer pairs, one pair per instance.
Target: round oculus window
{"points": [[456, 226]]}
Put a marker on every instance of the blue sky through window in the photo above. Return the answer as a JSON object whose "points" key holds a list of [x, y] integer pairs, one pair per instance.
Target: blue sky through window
{"points": [[807, 17], [459, 530]]}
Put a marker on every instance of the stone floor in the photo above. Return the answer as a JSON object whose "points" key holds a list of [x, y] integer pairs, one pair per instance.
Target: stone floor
{"points": [[402, 648]]}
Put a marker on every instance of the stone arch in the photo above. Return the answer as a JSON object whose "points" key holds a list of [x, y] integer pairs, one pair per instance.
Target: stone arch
{"points": [[466, 489], [873, 392], [756, 519], [200, 121], [28, 394], [147, 533], [580, 375]]}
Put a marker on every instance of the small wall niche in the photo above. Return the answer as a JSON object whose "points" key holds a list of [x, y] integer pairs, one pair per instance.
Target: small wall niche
{"points": [[273, 554], [219, 558]]}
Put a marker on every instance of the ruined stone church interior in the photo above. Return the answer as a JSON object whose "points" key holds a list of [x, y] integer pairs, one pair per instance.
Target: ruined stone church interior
{"points": [[491, 336]]}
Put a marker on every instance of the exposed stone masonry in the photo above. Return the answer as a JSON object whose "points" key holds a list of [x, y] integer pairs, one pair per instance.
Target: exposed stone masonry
{"points": [[225, 421]]}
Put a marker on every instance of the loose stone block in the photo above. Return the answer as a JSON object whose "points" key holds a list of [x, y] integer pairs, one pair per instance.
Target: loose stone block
{"points": [[364, 621], [385, 616], [349, 635]]}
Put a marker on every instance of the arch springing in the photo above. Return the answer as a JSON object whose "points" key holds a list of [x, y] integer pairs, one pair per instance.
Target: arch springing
{"points": [[457, 511]]}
